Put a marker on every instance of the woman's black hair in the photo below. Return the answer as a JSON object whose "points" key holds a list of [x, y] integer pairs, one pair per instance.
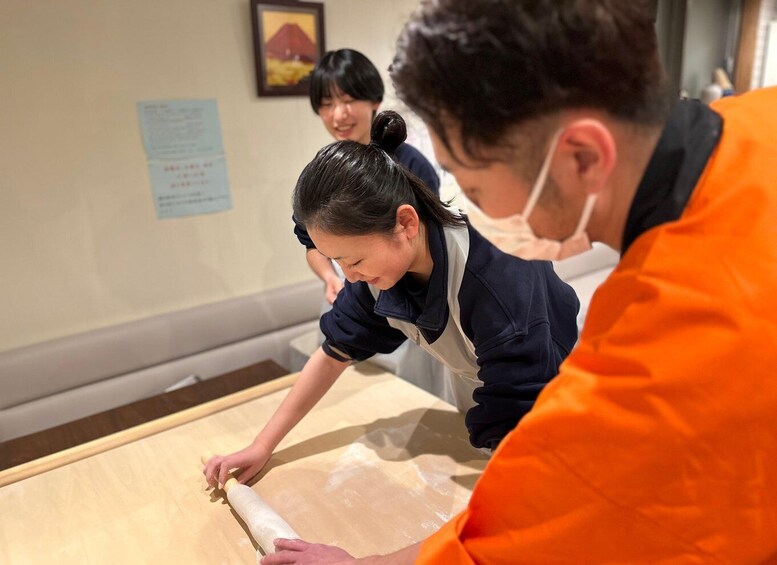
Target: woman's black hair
{"points": [[354, 189], [348, 71]]}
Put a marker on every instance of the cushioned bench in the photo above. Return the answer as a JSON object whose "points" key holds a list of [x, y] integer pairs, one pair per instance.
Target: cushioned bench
{"points": [[585, 272], [50, 383]]}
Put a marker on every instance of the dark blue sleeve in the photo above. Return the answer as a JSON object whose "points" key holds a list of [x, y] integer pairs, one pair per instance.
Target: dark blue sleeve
{"points": [[353, 331], [419, 165], [523, 325], [514, 372], [302, 235]]}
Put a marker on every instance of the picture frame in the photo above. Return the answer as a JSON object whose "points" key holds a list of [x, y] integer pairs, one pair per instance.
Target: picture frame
{"points": [[288, 42]]}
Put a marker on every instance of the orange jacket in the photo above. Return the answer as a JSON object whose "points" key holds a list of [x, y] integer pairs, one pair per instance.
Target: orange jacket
{"points": [[657, 442]]}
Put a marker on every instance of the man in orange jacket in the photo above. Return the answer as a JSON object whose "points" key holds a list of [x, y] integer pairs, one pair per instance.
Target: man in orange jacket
{"points": [[657, 441]]}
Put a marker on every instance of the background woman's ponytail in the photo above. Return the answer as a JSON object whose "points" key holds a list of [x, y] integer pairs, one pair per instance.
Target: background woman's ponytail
{"points": [[355, 189], [388, 131]]}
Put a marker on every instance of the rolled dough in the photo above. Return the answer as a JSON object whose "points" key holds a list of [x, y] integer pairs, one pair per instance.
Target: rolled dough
{"points": [[263, 522]]}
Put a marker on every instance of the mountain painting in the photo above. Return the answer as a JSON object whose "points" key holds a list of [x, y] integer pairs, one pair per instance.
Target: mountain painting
{"points": [[290, 55], [288, 40]]}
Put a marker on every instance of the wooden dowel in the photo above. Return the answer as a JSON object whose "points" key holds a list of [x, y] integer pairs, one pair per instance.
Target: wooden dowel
{"points": [[67, 456], [745, 61]]}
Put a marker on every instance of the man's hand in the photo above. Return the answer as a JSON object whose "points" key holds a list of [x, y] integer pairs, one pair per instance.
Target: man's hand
{"points": [[297, 551], [289, 551]]}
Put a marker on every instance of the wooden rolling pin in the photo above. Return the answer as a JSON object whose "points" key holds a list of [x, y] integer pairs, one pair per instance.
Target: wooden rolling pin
{"points": [[264, 523]]}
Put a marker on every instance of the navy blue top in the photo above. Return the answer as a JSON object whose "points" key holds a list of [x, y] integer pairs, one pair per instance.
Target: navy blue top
{"points": [[519, 315], [413, 160]]}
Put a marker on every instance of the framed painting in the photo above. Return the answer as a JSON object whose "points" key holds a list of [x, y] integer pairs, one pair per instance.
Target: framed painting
{"points": [[288, 42]]}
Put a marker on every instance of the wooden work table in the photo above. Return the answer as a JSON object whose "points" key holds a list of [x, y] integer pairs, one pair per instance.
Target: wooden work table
{"points": [[377, 465]]}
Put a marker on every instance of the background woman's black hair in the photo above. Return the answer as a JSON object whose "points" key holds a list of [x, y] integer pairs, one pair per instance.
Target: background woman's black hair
{"points": [[388, 131], [355, 189], [346, 70]]}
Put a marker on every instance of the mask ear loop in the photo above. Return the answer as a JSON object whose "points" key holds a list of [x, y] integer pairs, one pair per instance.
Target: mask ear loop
{"points": [[588, 208], [539, 184]]}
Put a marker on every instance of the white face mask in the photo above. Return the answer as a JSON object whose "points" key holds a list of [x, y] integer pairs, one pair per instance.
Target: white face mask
{"points": [[515, 236]]}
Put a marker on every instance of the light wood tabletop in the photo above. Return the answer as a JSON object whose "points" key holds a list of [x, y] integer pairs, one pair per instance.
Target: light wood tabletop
{"points": [[377, 465]]}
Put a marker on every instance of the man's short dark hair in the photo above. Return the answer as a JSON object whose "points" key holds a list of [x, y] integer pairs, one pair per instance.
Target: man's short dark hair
{"points": [[348, 71], [488, 66]]}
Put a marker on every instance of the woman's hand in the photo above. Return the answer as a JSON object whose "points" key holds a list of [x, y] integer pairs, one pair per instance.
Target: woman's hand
{"points": [[332, 286], [249, 461]]}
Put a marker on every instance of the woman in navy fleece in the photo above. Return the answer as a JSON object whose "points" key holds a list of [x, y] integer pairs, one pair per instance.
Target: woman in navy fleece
{"points": [[416, 269]]}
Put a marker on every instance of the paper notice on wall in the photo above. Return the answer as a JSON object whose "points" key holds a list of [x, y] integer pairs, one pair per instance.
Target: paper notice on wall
{"points": [[185, 156]]}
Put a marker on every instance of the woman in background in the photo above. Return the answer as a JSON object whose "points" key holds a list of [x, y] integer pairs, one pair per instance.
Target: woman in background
{"points": [[345, 92]]}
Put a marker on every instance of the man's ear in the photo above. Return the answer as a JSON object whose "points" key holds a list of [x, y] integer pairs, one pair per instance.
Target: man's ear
{"points": [[585, 156], [408, 222]]}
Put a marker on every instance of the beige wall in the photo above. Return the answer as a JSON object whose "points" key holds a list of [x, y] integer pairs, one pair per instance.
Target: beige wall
{"points": [[80, 245]]}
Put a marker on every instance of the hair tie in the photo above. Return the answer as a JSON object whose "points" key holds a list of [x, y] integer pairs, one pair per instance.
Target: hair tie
{"points": [[374, 143]]}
